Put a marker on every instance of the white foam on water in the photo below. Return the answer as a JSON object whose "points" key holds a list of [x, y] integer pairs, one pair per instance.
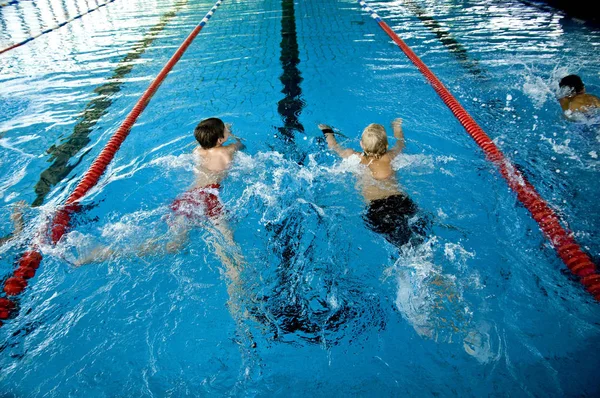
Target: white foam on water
{"points": [[171, 162], [457, 254], [441, 214], [417, 164], [561, 149], [537, 90], [445, 159], [432, 301]]}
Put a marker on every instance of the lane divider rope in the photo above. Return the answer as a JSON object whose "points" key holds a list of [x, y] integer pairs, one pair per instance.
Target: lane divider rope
{"points": [[31, 259], [53, 28], [563, 242]]}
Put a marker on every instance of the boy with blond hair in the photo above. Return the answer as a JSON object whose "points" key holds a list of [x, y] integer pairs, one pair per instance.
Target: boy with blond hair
{"points": [[390, 212]]}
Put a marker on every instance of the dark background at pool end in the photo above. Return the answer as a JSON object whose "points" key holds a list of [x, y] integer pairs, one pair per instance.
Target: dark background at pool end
{"points": [[584, 10]]}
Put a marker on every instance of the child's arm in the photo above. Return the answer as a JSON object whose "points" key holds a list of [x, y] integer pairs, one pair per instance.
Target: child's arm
{"points": [[333, 144], [399, 147], [236, 146]]}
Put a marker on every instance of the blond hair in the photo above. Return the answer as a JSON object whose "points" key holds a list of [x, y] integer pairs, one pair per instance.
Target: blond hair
{"points": [[374, 140]]}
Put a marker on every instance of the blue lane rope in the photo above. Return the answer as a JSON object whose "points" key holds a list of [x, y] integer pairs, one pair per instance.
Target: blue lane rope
{"points": [[53, 28]]}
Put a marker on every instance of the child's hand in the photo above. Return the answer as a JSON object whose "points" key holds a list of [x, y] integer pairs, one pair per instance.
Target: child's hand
{"points": [[397, 127], [324, 127]]}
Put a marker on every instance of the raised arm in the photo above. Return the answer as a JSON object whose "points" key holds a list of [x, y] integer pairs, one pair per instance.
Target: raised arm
{"points": [[237, 145], [399, 147], [333, 144]]}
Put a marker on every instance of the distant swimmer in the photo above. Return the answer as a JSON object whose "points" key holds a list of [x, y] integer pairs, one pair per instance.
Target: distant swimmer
{"points": [[575, 98]]}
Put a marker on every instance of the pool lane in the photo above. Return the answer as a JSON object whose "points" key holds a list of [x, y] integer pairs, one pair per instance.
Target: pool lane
{"points": [[94, 110], [447, 39], [290, 107], [55, 27]]}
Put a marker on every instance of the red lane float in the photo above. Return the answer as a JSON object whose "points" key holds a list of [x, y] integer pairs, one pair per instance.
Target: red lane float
{"points": [[563, 242], [30, 260]]}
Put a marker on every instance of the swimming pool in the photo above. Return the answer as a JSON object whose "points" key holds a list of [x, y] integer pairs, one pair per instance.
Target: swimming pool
{"points": [[484, 306]]}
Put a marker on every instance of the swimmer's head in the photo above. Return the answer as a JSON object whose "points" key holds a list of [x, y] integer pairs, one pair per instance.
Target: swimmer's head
{"points": [[374, 141], [211, 132], [571, 85]]}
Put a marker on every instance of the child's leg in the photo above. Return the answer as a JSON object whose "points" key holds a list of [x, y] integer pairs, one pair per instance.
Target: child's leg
{"points": [[179, 229], [17, 217]]}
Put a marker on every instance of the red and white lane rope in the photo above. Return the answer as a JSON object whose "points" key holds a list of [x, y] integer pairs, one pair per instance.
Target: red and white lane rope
{"points": [[563, 242], [51, 28], [31, 259]]}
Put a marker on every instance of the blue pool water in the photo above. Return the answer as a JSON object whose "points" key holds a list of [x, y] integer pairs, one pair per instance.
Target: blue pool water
{"points": [[322, 305]]}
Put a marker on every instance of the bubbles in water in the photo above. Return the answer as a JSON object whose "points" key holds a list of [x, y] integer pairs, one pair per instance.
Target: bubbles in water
{"points": [[456, 253], [416, 163], [537, 90], [183, 161]]}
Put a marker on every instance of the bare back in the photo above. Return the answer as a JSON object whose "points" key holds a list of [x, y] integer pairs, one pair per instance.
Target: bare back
{"points": [[580, 103], [211, 165], [379, 180]]}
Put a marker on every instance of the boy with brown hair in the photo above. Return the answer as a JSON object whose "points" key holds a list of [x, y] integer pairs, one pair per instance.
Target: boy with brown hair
{"points": [[212, 159]]}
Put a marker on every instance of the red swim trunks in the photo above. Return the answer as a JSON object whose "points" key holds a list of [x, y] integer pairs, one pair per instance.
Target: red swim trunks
{"points": [[190, 203]]}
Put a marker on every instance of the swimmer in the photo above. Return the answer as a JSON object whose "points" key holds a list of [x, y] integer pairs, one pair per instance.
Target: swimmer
{"points": [[212, 159], [426, 297], [390, 211], [575, 98]]}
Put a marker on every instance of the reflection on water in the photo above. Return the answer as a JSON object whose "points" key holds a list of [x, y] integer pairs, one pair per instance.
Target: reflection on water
{"points": [[61, 155], [300, 292]]}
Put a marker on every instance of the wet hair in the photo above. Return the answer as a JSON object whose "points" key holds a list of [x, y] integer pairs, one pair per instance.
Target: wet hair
{"points": [[209, 131], [374, 140], [573, 82]]}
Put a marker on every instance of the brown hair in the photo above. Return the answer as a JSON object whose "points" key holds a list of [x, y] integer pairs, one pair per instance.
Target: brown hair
{"points": [[209, 131], [374, 140]]}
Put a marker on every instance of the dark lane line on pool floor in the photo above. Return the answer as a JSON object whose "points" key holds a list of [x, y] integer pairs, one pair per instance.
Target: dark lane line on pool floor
{"points": [[447, 39], [94, 110], [288, 313], [290, 107]]}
